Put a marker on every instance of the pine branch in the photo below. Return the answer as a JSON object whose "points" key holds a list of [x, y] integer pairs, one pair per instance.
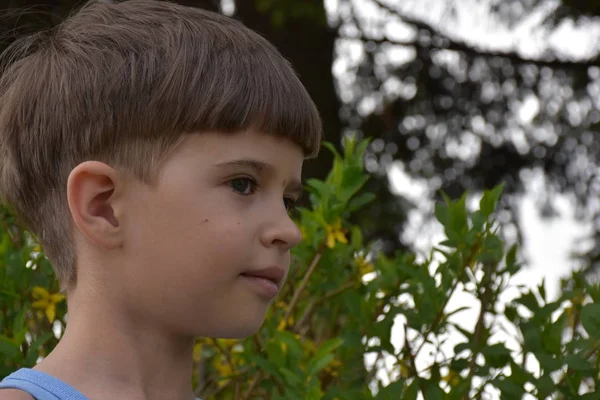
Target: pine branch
{"points": [[472, 50]]}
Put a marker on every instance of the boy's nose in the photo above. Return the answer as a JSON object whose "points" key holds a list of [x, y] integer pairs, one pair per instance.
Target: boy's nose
{"points": [[283, 232]]}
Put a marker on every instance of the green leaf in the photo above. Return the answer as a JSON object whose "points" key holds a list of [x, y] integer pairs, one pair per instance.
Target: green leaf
{"points": [[489, 200], [391, 391], [578, 363], [360, 149], [461, 347], [19, 328], [459, 309], [329, 346], [492, 250], [294, 347], [291, 378], [510, 313], [496, 355], [511, 259], [360, 201], [8, 348], [519, 375], [459, 364], [458, 216], [314, 391], [412, 391], [356, 238], [548, 362], [33, 352], [318, 187], [266, 366], [478, 220], [329, 146], [349, 145], [531, 337], [590, 319], [442, 213], [542, 290], [509, 388], [545, 386], [588, 396], [433, 391], [529, 300], [318, 363], [275, 352]]}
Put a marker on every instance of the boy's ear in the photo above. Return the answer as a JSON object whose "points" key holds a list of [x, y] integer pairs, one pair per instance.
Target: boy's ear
{"points": [[92, 188]]}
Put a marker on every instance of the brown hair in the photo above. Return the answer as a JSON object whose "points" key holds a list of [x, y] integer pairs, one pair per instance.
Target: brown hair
{"points": [[123, 83]]}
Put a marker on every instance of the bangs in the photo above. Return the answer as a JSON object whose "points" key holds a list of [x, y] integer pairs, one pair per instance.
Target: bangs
{"points": [[253, 88]]}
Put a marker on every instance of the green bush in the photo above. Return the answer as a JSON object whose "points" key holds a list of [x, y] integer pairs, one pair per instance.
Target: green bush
{"points": [[316, 335]]}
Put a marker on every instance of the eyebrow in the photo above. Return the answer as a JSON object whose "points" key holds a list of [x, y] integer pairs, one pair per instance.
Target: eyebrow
{"points": [[294, 185]]}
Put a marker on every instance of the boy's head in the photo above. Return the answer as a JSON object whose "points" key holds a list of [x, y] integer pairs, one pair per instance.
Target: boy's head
{"points": [[132, 134]]}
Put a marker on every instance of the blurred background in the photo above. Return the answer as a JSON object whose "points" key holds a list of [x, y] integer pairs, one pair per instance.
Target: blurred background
{"points": [[456, 95]]}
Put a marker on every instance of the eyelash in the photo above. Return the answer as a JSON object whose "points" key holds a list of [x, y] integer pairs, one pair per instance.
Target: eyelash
{"points": [[289, 206]]}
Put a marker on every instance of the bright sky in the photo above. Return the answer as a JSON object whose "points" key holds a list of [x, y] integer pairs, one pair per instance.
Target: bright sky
{"points": [[547, 242]]}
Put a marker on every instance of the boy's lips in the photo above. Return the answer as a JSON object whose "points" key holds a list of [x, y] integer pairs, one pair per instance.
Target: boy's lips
{"points": [[267, 281], [273, 274]]}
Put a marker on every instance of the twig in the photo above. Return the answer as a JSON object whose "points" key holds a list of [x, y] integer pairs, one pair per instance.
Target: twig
{"points": [[587, 355], [440, 313], [412, 358], [304, 282], [222, 350], [480, 326], [309, 310], [253, 384]]}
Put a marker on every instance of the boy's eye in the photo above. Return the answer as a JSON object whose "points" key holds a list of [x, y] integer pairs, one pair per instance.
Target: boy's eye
{"points": [[243, 186], [290, 204]]}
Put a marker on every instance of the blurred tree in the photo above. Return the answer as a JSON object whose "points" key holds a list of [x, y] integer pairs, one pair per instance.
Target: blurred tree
{"points": [[457, 110]]}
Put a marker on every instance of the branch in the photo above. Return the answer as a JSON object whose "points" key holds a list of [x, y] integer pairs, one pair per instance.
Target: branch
{"points": [[304, 282], [309, 310], [253, 384], [413, 363], [473, 51], [485, 301], [440, 315]]}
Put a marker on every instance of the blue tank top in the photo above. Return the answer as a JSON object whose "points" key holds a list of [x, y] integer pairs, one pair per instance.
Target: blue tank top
{"points": [[41, 385]]}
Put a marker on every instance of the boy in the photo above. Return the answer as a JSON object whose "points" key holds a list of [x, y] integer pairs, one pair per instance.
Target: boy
{"points": [[155, 150]]}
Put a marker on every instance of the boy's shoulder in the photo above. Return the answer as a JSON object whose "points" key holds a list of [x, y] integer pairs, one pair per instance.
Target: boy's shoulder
{"points": [[14, 394]]}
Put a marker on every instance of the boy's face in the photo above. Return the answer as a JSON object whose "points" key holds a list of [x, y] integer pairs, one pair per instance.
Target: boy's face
{"points": [[217, 214]]}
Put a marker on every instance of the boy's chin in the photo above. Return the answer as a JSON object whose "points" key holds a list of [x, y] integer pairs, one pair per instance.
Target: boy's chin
{"points": [[241, 332], [240, 328]]}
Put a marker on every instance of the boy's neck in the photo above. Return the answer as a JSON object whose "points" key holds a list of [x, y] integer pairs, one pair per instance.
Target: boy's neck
{"points": [[103, 354]]}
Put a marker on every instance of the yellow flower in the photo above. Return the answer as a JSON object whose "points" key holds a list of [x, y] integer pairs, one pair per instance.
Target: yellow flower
{"points": [[197, 351], [224, 369], [46, 301], [364, 267], [281, 304], [404, 369], [283, 324], [228, 342], [335, 234], [333, 367], [453, 378]]}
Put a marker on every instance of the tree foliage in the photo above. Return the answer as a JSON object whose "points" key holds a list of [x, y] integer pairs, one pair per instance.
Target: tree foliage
{"points": [[342, 300]]}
